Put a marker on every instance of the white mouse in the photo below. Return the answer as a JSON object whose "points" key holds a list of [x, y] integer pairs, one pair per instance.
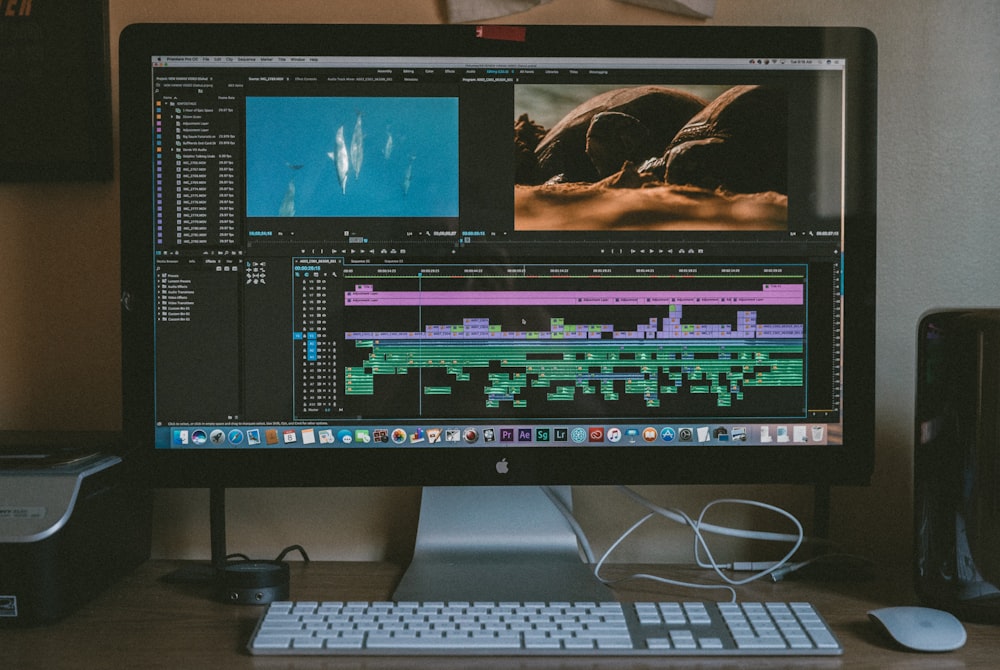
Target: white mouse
{"points": [[920, 628]]}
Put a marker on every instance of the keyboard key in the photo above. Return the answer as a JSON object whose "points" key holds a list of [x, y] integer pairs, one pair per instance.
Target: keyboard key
{"points": [[272, 641]]}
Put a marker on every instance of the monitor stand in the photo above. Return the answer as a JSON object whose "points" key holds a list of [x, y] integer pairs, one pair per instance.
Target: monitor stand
{"points": [[497, 544]]}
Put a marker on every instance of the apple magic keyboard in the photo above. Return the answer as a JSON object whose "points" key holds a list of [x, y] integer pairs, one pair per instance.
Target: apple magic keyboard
{"points": [[542, 629]]}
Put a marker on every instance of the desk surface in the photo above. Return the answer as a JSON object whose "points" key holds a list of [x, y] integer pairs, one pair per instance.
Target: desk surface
{"points": [[144, 622]]}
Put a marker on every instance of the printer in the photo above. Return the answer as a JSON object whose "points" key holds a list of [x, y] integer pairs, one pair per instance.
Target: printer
{"points": [[72, 521]]}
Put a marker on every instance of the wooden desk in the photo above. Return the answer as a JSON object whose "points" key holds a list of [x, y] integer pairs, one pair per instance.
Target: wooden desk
{"points": [[142, 622]]}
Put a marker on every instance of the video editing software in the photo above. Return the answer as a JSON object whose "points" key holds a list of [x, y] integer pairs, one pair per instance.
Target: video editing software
{"points": [[351, 253]]}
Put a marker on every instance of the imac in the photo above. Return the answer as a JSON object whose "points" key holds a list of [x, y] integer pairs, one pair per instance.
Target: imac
{"points": [[484, 260]]}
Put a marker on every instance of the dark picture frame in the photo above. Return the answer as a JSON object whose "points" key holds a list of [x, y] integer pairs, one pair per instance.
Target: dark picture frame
{"points": [[55, 91]]}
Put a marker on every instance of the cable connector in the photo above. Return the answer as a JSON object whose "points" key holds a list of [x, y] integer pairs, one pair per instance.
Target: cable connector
{"points": [[752, 566], [788, 569]]}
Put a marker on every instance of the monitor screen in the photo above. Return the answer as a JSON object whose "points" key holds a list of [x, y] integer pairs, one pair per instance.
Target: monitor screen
{"points": [[450, 255]]}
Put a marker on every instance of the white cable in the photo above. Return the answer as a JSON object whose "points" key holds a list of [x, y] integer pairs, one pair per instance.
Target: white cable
{"points": [[680, 517], [662, 580], [699, 526], [777, 569], [797, 542]]}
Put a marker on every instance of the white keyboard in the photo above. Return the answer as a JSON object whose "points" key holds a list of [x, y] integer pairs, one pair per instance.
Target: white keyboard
{"points": [[439, 628]]}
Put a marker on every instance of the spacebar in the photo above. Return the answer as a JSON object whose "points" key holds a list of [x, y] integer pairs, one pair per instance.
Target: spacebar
{"points": [[445, 643]]}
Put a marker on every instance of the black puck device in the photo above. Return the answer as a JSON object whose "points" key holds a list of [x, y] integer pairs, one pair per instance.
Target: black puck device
{"points": [[254, 582]]}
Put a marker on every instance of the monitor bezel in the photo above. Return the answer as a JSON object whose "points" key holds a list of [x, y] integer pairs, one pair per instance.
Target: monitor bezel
{"points": [[849, 463]]}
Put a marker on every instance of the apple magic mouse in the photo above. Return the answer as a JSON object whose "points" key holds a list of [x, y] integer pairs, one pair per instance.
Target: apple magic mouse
{"points": [[920, 628]]}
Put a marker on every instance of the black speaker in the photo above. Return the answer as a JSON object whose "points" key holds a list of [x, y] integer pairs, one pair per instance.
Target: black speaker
{"points": [[957, 463]]}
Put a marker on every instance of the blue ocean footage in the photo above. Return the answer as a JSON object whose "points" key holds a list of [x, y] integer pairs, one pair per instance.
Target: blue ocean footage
{"points": [[352, 156]]}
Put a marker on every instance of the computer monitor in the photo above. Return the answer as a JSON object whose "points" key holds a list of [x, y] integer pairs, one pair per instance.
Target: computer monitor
{"points": [[497, 256]]}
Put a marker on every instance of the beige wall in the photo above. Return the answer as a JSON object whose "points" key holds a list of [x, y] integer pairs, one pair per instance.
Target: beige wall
{"points": [[939, 196]]}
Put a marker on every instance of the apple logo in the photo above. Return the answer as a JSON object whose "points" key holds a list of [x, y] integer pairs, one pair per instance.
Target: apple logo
{"points": [[502, 466]]}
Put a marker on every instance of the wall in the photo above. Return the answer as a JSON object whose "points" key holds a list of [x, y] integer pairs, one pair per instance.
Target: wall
{"points": [[939, 135]]}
